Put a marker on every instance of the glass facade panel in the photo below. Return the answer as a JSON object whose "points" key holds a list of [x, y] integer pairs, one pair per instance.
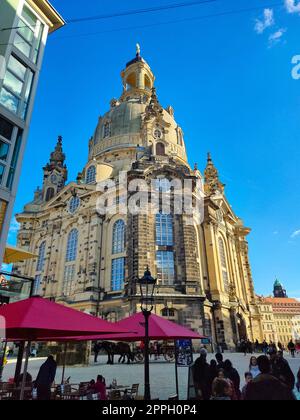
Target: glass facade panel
{"points": [[2, 169], [6, 129], [10, 101], [22, 45], [17, 67], [14, 161], [4, 148], [13, 84]]}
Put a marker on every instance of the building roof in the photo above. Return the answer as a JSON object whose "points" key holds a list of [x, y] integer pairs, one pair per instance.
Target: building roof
{"points": [[284, 305], [53, 18]]}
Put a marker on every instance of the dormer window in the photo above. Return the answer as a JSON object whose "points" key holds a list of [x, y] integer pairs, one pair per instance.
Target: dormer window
{"points": [[106, 130]]}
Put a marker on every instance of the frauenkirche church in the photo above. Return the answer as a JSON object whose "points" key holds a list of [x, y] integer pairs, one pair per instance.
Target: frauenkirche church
{"points": [[91, 261]]}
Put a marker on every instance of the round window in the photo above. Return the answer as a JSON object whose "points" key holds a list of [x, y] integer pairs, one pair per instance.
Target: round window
{"points": [[74, 204]]}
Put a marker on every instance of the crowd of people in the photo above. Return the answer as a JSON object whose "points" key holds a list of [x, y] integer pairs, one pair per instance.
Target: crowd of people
{"points": [[269, 378], [247, 347]]}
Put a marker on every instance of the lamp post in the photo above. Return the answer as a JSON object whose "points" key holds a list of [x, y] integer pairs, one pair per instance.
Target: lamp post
{"points": [[147, 287]]}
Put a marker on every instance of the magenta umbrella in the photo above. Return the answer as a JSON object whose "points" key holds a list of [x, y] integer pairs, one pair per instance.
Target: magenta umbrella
{"points": [[37, 319]]}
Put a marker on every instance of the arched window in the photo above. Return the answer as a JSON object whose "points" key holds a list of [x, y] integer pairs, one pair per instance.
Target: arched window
{"points": [[72, 244], [222, 253], [91, 175], [74, 204], [118, 237], [41, 260], [106, 130], [160, 149], [164, 230]]}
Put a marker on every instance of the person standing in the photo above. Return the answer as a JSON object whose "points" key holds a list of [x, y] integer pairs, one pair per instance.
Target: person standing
{"points": [[292, 348], [265, 387], [248, 380], [220, 390], [232, 374], [202, 377], [253, 368], [280, 368], [100, 388], [45, 379], [219, 359]]}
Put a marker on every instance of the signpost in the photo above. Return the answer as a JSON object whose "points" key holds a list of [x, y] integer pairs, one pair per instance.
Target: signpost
{"points": [[183, 357]]}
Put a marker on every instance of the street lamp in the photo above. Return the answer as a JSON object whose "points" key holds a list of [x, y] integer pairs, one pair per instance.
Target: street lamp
{"points": [[147, 287]]}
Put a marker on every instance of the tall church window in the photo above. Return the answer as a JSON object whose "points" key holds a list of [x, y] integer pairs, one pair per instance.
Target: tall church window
{"points": [[222, 253], [72, 246], [117, 274], [91, 175], [160, 149], [70, 266], [49, 194], [39, 268], [164, 230], [118, 237], [41, 260], [165, 268], [107, 130]]}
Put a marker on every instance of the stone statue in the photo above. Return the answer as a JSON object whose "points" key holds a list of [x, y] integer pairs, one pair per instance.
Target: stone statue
{"points": [[138, 49]]}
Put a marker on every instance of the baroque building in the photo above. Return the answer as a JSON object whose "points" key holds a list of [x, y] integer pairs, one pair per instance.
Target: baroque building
{"points": [[91, 260], [280, 320]]}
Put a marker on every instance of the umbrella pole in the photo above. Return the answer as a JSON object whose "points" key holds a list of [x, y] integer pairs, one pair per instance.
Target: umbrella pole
{"points": [[64, 366], [19, 362], [3, 359], [176, 371], [25, 371]]}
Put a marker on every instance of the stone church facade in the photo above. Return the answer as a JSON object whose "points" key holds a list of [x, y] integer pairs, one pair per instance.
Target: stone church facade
{"points": [[90, 260]]}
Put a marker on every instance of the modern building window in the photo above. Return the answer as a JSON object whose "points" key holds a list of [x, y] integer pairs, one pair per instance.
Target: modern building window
{"points": [[118, 237], [91, 175], [117, 274], [165, 268], [222, 253], [14, 161], [2, 171], [29, 35], [4, 148], [74, 204], [41, 260], [72, 245], [164, 230], [16, 89], [6, 129]]}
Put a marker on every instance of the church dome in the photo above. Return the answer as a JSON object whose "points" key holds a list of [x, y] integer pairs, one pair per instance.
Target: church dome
{"points": [[122, 119], [136, 122]]}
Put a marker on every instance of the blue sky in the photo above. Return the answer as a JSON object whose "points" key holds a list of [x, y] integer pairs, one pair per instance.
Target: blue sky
{"points": [[229, 78]]}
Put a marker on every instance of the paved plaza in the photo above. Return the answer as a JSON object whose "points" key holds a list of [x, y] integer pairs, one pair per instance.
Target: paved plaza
{"points": [[162, 373]]}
